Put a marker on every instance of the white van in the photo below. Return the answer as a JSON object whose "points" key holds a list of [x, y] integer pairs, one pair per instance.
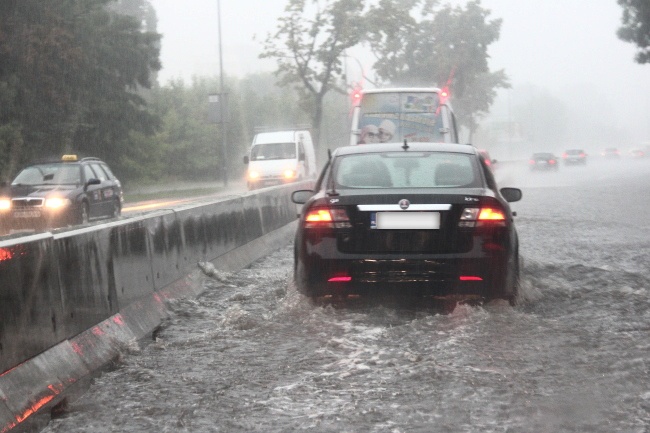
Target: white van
{"points": [[280, 157]]}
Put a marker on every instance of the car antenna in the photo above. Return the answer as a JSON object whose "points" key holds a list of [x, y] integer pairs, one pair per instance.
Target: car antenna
{"points": [[406, 145], [332, 190]]}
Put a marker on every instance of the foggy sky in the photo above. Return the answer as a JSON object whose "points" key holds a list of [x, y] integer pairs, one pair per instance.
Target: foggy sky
{"points": [[569, 47]]}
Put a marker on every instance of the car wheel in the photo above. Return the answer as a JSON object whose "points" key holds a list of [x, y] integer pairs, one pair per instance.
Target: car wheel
{"points": [[513, 295], [302, 281], [117, 209], [83, 213]]}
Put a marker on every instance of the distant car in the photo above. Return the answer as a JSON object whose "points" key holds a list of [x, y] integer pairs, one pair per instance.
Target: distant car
{"points": [[422, 218], [543, 161], [574, 157], [59, 193], [492, 163], [611, 153], [637, 153]]}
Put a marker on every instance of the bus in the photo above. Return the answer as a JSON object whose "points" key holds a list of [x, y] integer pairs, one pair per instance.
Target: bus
{"points": [[414, 114]]}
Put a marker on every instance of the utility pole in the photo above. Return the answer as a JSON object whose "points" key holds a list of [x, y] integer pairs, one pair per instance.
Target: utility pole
{"points": [[224, 106]]}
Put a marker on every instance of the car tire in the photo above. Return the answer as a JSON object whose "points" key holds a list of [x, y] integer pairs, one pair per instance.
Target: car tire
{"points": [[514, 282], [506, 288], [84, 213], [301, 281], [117, 209]]}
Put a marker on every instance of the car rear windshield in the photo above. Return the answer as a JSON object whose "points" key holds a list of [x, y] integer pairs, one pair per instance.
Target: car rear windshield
{"points": [[49, 174], [406, 170]]}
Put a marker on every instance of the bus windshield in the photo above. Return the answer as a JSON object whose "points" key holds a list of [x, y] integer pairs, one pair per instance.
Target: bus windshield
{"points": [[396, 116]]}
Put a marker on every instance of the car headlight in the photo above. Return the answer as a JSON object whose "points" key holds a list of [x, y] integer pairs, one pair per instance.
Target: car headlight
{"points": [[252, 175], [289, 174], [55, 203], [5, 204]]}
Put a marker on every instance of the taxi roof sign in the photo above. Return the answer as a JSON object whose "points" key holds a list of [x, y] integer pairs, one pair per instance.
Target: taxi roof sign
{"points": [[69, 158]]}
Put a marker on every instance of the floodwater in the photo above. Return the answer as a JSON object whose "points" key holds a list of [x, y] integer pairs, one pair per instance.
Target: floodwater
{"points": [[252, 355]]}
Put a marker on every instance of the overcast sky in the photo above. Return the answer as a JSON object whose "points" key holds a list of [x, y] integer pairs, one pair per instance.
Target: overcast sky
{"points": [[561, 45]]}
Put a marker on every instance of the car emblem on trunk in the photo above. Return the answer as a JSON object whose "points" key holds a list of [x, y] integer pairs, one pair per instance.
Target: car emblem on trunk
{"points": [[404, 204]]}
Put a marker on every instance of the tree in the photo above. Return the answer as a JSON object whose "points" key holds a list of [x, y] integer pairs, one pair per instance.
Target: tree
{"points": [[445, 47], [309, 47], [636, 27], [69, 78]]}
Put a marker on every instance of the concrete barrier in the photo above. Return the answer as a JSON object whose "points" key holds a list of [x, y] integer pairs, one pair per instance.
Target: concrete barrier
{"points": [[71, 301]]}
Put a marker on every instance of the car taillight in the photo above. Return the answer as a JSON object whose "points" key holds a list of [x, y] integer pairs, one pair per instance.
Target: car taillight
{"points": [[334, 217], [480, 217], [531, 162], [552, 161]]}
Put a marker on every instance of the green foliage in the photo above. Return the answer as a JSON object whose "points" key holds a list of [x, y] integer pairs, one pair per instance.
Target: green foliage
{"points": [[636, 27], [309, 46], [70, 73], [188, 146], [443, 46]]}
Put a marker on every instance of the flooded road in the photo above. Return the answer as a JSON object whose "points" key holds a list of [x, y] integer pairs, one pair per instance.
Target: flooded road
{"points": [[252, 355]]}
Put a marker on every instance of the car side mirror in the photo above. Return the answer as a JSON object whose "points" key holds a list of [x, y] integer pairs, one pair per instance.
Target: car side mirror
{"points": [[301, 196], [92, 181], [246, 160], [511, 194]]}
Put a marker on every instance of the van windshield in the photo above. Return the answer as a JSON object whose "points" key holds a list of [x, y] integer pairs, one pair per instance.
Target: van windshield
{"points": [[396, 116], [266, 151]]}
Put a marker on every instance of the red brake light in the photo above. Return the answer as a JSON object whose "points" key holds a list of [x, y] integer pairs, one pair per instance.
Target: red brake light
{"points": [[335, 217], [490, 214], [5, 254], [319, 215], [552, 161], [341, 279], [356, 95], [470, 278], [481, 217]]}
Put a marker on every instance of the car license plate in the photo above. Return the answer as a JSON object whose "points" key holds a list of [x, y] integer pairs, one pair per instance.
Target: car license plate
{"points": [[27, 214], [405, 220]]}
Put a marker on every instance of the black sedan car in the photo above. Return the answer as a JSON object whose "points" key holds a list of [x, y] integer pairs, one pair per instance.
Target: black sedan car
{"points": [[574, 157], [418, 219], [60, 193], [542, 161]]}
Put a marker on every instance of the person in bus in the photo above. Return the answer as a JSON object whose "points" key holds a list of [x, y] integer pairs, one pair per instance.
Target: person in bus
{"points": [[369, 134], [386, 131]]}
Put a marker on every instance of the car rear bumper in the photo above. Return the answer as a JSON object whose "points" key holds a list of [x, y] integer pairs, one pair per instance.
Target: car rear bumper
{"points": [[476, 273]]}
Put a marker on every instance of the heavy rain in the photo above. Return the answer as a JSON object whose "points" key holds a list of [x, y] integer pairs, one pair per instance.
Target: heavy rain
{"points": [[252, 354]]}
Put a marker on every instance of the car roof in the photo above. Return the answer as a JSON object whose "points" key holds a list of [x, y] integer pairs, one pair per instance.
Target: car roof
{"points": [[399, 147], [402, 89]]}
